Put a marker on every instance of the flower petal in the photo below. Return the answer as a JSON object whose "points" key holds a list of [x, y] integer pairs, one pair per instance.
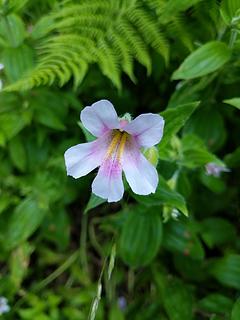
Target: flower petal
{"points": [[100, 117], [85, 157], [147, 129], [108, 183], [141, 175]]}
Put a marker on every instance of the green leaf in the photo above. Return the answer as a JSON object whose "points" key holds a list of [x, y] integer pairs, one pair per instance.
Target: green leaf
{"points": [[18, 153], [194, 152], [177, 301], [216, 303], [175, 118], [19, 261], [50, 109], [25, 219], [227, 270], [141, 236], [48, 118], [12, 123], [190, 268], [206, 59], [217, 231], [42, 27], [233, 159], [213, 132], [12, 29], [176, 297], [236, 311], [235, 102], [17, 61], [93, 202], [115, 313], [164, 195], [181, 238], [214, 184]]}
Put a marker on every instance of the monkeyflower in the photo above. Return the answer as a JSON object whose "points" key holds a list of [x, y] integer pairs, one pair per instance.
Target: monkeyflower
{"points": [[4, 307], [214, 169], [117, 149]]}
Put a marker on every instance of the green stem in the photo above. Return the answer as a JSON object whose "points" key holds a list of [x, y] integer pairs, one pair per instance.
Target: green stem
{"points": [[93, 239], [233, 38], [131, 280], [83, 244], [55, 274]]}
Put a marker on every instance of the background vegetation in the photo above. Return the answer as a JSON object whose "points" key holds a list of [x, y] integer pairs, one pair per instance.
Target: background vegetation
{"points": [[66, 255]]}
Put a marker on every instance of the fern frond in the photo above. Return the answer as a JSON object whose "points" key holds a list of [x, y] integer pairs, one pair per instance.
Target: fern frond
{"points": [[136, 44], [177, 29], [150, 31], [109, 63], [111, 33], [119, 45]]}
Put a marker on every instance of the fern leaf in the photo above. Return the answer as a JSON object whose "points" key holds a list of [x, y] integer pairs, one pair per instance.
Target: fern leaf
{"points": [[150, 31], [111, 33]]}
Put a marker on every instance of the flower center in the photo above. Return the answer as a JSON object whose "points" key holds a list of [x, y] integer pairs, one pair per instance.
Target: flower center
{"points": [[117, 144]]}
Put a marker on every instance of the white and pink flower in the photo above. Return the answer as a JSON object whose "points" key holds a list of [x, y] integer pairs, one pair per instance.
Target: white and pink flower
{"points": [[117, 149]]}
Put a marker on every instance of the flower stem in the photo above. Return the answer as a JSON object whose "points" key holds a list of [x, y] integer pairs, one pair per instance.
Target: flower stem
{"points": [[83, 244]]}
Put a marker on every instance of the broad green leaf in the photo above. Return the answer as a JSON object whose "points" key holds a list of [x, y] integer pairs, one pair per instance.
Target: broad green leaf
{"points": [[50, 109], [48, 118], [42, 27], [12, 29], [190, 268], [24, 220], [216, 303], [181, 238], [93, 202], [213, 133], [176, 297], [177, 301], [214, 184], [206, 59], [12, 123], [236, 311], [6, 200], [141, 236], [194, 153], [233, 159], [227, 270], [164, 195], [217, 231], [175, 118], [235, 102], [17, 61], [18, 153]]}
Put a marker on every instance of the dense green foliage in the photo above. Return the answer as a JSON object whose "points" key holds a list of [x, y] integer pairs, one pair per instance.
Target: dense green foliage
{"points": [[68, 255]]}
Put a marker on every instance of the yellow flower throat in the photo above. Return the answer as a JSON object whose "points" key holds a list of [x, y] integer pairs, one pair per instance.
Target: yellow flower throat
{"points": [[117, 144]]}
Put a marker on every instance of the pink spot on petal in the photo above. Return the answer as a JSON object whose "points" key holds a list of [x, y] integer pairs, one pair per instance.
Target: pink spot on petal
{"points": [[123, 123]]}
